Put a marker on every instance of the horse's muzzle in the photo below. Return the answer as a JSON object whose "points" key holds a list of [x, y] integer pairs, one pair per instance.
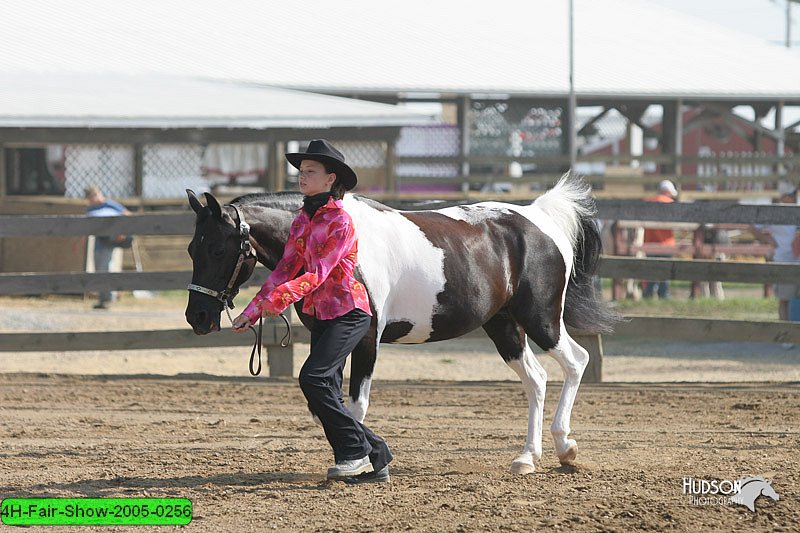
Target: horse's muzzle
{"points": [[202, 321]]}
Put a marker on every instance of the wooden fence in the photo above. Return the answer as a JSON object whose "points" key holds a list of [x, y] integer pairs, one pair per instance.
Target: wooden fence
{"points": [[280, 359]]}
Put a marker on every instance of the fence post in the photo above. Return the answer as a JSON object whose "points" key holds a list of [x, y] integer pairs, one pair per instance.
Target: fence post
{"points": [[617, 290], [280, 359], [698, 241], [594, 345]]}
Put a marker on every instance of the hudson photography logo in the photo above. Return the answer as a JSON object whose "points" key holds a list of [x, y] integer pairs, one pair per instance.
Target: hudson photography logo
{"points": [[743, 491]]}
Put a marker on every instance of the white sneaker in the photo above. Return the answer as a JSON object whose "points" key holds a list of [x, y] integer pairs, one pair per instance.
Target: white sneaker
{"points": [[350, 468], [381, 476]]}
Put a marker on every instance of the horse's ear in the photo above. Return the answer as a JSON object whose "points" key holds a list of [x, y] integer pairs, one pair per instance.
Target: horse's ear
{"points": [[213, 204], [194, 202]]}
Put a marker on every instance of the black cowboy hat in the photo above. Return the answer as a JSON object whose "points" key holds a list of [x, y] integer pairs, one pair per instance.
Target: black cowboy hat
{"points": [[324, 152]]}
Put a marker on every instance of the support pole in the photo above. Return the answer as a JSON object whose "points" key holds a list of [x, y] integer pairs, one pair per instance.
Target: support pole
{"points": [[464, 124], [572, 103], [678, 140], [272, 165], [276, 173], [3, 177], [780, 137], [138, 171], [391, 171]]}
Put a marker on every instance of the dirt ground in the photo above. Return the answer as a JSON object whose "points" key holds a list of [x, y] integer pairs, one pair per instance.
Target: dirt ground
{"points": [[249, 457], [245, 451]]}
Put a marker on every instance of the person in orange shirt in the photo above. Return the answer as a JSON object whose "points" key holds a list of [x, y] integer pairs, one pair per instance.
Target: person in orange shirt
{"points": [[666, 194]]}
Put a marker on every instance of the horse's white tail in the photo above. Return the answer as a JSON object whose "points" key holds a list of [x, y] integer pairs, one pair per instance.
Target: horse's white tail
{"points": [[569, 203], [572, 208]]}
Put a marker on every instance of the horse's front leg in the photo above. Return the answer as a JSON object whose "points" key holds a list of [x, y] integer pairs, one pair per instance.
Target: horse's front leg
{"points": [[510, 340], [534, 381], [362, 365]]}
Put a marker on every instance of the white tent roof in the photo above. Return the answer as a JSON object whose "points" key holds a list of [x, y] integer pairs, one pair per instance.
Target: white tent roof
{"points": [[623, 47], [160, 101]]}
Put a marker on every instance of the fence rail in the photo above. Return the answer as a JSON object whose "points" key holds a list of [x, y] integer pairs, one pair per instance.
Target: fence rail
{"points": [[81, 282], [699, 329], [137, 340], [610, 267], [700, 212], [182, 223], [698, 270], [71, 225], [618, 159]]}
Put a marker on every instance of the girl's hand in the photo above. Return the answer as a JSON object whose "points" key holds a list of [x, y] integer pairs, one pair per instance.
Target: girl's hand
{"points": [[240, 323]]}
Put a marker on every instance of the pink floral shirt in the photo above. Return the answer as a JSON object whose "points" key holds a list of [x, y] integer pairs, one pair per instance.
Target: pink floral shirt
{"points": [[326, 247]]}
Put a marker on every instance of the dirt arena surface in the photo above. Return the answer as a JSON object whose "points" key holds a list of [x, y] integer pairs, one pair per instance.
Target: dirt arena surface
{"points": [[191, 423], [249, 457]]}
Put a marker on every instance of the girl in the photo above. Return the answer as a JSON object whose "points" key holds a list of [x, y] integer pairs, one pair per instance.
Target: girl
{"points": [[322, 241]]}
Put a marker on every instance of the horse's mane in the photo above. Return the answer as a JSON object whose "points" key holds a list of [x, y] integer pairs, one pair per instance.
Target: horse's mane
{"points": [[374, 204], [285, 200], [292, 200], [748, 480]]}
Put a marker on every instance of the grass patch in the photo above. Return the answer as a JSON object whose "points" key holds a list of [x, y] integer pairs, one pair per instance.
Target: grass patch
{"points": [[749, 306], [737, 308]]}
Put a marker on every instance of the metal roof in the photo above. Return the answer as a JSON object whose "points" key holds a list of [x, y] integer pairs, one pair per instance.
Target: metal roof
{"points": [[159, 101], [624, 48]]}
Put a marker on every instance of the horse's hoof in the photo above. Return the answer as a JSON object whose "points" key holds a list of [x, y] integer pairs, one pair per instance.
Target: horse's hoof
{"points": [[522, 468], [568, 457]]}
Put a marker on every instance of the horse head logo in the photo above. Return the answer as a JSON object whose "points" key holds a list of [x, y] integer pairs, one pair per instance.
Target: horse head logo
{"points": [[751, 489]]}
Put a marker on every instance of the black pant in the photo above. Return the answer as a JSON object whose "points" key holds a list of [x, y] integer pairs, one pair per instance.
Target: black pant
{"points": [[321, 382]]}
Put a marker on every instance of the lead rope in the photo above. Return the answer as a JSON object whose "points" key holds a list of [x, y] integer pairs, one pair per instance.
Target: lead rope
{"points": [[256, 346], [285, 341]]}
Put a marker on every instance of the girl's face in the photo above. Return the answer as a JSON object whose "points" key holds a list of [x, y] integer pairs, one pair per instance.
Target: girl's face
{"points": [[313, 179]]}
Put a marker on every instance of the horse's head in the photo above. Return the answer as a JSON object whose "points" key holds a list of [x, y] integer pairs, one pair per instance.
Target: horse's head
{"points": [[768, 491], [751, 488], [220, 245]]}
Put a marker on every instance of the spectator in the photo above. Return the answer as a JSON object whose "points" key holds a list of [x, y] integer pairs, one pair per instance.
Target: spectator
{"points": [[786, 240], [666, 194], [99, 206], [712, 235]]}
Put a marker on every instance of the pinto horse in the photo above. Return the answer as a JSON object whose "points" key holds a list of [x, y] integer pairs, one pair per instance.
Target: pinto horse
{"points": [[515, 271]]}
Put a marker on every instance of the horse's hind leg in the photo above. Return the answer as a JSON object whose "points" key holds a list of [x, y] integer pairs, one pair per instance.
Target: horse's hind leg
{"points": [[544, 324], [509, 338], [362, 365], [573, 360]]}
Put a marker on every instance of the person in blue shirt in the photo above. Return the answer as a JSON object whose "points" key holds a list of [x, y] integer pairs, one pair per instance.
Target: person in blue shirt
{"points": [[99, 206]]}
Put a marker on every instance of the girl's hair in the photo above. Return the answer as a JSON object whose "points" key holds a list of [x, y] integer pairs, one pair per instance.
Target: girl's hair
{"points": [[337, 189]]}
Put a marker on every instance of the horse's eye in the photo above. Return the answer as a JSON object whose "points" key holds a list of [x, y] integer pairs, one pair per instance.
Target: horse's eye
{"points": [[218, 252]]}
